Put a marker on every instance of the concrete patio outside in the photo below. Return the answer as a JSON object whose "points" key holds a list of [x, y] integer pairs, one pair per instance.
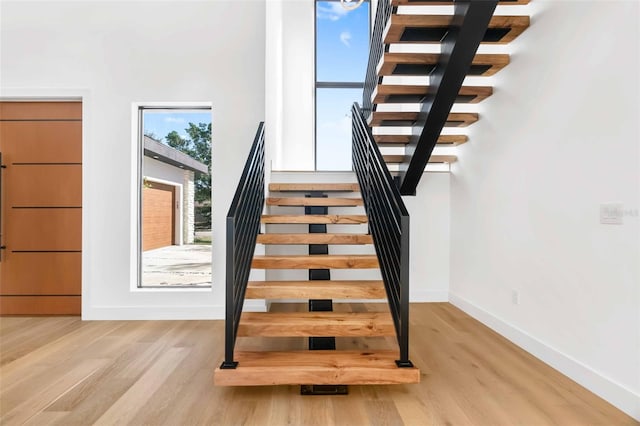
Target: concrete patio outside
{"points": [[188, 265]]}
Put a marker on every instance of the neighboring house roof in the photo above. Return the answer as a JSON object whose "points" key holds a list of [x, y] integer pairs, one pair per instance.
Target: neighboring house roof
{"points": [[161, 152]]}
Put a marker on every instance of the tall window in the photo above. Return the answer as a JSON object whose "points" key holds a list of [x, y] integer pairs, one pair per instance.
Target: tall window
{"points": [[175, 197], [342, 53]]}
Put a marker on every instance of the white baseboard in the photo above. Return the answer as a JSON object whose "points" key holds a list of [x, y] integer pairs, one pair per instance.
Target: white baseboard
{"points": [[618, 395]]}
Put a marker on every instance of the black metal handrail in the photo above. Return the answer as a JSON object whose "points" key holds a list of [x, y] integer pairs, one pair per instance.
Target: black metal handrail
{"points": [[388, 224], [243, 226], [376, 50]]}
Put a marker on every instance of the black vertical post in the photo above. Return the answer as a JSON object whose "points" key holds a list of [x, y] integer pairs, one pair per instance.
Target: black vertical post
{"points": [[319, 305]]}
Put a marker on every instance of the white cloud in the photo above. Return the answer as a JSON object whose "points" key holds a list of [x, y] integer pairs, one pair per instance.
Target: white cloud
{"points": [[332, 11], [345, 38], [174, 120]]}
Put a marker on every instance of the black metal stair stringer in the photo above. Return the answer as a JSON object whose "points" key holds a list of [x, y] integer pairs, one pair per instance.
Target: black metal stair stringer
{"points": [[459, 47]]}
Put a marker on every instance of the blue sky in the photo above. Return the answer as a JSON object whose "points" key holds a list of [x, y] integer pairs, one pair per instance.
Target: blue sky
{"points": [[342, 53], [163, 122]]}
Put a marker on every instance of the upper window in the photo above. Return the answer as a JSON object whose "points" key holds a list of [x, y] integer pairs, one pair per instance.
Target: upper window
{"points": [[175, 197], [342, 53]]}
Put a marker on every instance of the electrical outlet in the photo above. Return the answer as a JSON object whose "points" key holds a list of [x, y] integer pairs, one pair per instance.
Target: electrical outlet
{"points": [[611, 213], [515, 297]]}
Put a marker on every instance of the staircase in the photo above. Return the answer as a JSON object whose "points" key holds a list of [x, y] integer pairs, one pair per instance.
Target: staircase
{"points": [[353, 322], [417, 71]]}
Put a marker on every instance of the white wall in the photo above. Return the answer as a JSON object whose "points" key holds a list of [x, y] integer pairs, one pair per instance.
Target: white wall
{"points": [[117, 53], [559, 137], [290, 83]]}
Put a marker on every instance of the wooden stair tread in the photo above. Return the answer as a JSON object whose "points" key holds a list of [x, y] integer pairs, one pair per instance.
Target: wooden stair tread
{"points": [[314, 201], [316, 367], [422, 64], [450, 2], [504, 28], [321, 187], [433, 159], [309, 324], [406, 119], [394, 140], [320, 261], [315, 239], [402, 93], [354, 219], [319, 289]]}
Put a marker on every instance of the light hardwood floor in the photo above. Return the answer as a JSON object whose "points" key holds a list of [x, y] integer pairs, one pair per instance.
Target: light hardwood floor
{"points": [[64, 371]]}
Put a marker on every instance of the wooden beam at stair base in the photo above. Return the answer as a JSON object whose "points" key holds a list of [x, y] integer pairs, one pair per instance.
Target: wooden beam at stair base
{"points": [[458, 48], [318, 367], [398, 93], [394, 140], [488, 63], [396, 30], [314, 187], [320, 289], [319, 261], [355, 219], [404, 118], [313, 201], [316, 324], [314, 239], [391, 159]]}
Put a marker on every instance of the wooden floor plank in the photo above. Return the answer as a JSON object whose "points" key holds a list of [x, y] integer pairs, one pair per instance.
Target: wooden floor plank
{"points": [[320, 289], [470, 375], [355, 219], [318, 367], [306, 324], [312, 201], [319, 261], [314, 239]]}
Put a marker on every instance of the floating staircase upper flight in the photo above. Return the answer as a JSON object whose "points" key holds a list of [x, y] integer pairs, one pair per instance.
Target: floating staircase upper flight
{"points": [[393, 110], [265, 360]]}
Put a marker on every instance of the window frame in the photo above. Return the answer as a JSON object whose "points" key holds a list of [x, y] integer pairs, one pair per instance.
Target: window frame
{"points": [[138, 109]]}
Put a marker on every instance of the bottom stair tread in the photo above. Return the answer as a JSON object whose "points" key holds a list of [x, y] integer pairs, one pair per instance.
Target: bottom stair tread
{"points": [[316, 367]]}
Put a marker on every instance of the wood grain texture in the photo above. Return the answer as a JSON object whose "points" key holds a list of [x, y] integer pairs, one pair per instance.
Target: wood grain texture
{"points": [[41, 110], [306, 324], [320, 261], [56, 273], [312, 201], [398, 23], [323, 187], [43, 185], [398, 118], [51, 305], [394, 140], [320, 289], [470, 376], [317, 367], [158, 220], [384, 93], [355, 219], [315, 239], [433, 159], [43, 229], [41, 141], [390, 60]]}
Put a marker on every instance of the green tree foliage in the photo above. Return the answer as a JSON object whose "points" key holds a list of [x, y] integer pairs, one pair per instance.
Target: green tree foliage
{"points": [[197, 146]]}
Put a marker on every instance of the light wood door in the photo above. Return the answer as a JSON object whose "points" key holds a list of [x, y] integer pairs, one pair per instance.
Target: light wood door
{"points": [[158, 215], [41, 223]]}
